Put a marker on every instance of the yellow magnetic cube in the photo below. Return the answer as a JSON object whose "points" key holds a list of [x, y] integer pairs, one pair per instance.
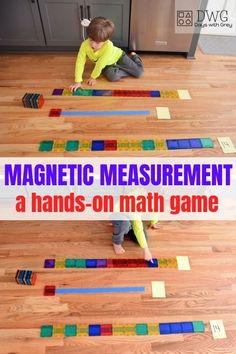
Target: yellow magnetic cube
{"points": [[60, 263], [129, 330], [118, 330], [82, 330], [66, 92], [169, 94], [59, 146], [123, 145], [58, 331], [161, 144], [135, 145], [85, 145], [162, 262], [172, 263], [153, 329]]}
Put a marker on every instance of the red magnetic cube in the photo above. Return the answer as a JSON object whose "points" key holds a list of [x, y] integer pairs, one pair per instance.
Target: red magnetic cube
{"points": [[40, 101], [33, 278], [106, 329], [55, 112], [110, 145], [110, 263], [49, 290]]}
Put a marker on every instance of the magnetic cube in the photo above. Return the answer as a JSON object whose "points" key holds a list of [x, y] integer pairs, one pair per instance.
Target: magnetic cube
{"points": [[118, 330], [85, 145], [123, 145], [67, 92], [162, 262], [106, 329], [187, 327], [46, 331], [164, 328], [46, 145], [121, 263], [55, 112], [49, 263], [172, 263], [110, 263], [97, 145], [110, 145], [198, 326], [148, 145], [102, 93], [59, 146], [155, 94], [101, 263], [72, 145], [141, 263], [195, 143], [141, 329], [70, 330], [82, 330], [80, 263], [135, 145], [91, 263], [153, 329], [129, 330], [172, 144], [82, 92], [49, 290], [58, 331], [169, 94], [161, 144], [57, 92], [94, 330], [70, 263], [175, 328], [153, 264], [60, 263], [184, 144], [207, 143]]}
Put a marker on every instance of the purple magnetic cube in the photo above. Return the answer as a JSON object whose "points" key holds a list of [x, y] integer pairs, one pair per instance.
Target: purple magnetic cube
{"points": [[49, 263], [101, 263], [57, 92]]}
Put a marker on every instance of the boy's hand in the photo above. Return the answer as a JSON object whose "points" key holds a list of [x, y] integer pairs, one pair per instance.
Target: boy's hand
{"points": [[91, 82], [154, 226], [147, 254], [76, 86]]}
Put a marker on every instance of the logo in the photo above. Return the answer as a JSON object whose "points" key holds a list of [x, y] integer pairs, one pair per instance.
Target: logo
{"points": [[185, 18]]}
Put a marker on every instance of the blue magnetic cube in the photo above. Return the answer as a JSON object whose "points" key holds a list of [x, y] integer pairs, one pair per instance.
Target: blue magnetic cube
{"points": [[98, 145], [175, 328], [153, 264], [195, 143], [91, 263], [172, 144], [155, 93], [102, 93], [184, 144], [187, 327], [164, 328], [94, 330]]}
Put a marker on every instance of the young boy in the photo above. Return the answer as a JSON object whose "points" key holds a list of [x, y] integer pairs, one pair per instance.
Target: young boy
{"points": [[135, 230], [109, 60]]}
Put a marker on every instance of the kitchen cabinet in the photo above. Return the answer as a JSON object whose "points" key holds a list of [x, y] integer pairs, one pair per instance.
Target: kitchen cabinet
{"points": [[20, 23], [61, 19]]}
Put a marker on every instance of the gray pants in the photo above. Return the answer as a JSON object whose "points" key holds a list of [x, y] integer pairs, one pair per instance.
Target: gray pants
{"points": [[121, 228], [125, 66]]}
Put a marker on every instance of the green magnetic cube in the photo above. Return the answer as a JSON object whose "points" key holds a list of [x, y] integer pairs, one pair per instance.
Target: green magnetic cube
{"points": [[70, 330], [198, 326], [141, 329], [148, 145], [46, 145], [80, 263], [72, 145], [82, 93], [46, 331], [207, 143], [70, 263]]}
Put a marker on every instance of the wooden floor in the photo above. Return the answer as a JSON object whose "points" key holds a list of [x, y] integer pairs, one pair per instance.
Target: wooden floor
{"points": [[206, 292]]}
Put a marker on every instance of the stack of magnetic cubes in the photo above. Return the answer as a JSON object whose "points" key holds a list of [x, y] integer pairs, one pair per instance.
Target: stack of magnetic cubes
{"points": [[25, 277], [33, 100], [138, 329]]}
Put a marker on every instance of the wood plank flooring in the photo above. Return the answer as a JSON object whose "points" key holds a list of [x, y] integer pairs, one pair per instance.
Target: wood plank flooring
{"points": [[206, 292]]}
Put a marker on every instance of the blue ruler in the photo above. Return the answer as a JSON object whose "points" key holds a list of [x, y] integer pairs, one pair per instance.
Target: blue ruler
{"points": [[104, 113], [100, 290]]}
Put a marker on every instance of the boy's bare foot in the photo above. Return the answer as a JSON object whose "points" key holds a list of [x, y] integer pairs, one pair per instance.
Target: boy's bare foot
{"points": [[118, 249], [132, 53]]}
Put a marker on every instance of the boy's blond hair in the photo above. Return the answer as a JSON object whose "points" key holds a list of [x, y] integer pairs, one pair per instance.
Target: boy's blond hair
{"points": [[100, 29]]}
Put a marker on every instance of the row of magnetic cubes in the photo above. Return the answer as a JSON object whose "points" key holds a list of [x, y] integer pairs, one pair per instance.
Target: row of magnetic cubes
{"points": [[118, 93], [125, 145], [110, 263], [25, 277], [33, 100], [121, 329]]}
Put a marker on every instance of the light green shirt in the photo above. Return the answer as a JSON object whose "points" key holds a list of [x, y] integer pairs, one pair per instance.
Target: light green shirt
{"points": [[107, 55]]}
